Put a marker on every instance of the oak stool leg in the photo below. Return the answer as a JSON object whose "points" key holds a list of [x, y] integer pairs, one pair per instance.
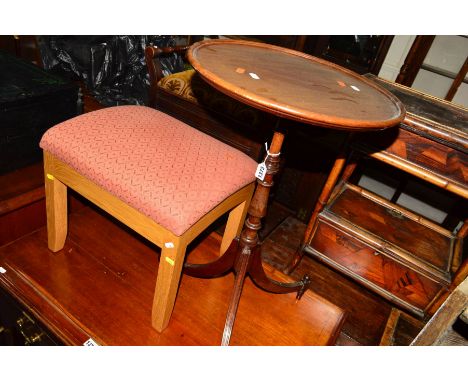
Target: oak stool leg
{"points": [[234, 225], [167, 282], [56, 207]]}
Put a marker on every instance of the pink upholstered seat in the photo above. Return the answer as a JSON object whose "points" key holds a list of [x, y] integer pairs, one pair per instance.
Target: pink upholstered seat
{"points": [[162, 167]]}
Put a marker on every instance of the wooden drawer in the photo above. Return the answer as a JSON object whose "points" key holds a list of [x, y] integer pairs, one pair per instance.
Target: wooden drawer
{"points": [[370, 267], [400, 233], [444, 166], [431, 143], [20, 326]]}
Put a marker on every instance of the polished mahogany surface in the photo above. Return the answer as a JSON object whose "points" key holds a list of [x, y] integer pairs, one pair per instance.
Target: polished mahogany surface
{"points": [[101, 286], [294, 85], [406, 232]]}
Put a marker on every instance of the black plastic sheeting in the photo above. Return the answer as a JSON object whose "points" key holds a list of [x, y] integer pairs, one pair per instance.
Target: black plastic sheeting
{"points": [[31, 101], [112, 68]]}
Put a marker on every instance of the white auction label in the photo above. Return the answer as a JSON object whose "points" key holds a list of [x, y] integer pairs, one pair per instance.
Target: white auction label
{"points": [[90, 342], [261, 171]]}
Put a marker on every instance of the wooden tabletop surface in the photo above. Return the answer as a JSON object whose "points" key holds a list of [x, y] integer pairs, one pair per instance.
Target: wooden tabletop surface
{"points": [[101, 286], [294, 85]]}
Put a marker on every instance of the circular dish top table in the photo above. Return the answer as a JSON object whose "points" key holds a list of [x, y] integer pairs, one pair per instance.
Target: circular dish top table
{"points": [[294, 85]]}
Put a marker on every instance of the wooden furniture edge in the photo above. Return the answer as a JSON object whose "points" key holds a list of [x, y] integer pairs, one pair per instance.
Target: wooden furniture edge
{"points": [[417, 171], [265, 104], [444, 317]]}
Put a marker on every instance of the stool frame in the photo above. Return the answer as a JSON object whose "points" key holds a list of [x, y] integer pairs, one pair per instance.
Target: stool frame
{"points": [[59, 176]]}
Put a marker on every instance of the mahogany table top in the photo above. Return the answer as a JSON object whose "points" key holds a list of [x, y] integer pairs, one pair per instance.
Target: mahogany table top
{"points": [[295, 85]]}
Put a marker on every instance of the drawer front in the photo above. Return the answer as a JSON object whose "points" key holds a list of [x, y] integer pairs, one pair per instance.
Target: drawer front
{"points": [[373, 268], [394, 226], [433, 157], [19, 327]]}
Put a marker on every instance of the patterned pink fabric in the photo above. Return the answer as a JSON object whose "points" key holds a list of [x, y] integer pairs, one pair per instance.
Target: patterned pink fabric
{"points": [[162, 167]]}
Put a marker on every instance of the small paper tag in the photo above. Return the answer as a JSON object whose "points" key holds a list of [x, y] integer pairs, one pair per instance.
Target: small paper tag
{"points": [[90, 342], [2, 270], [261, 171]]}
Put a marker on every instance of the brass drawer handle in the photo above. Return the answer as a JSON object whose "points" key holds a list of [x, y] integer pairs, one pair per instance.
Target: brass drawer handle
{"points": [[21, 321], [32, 339], [28, 330]]}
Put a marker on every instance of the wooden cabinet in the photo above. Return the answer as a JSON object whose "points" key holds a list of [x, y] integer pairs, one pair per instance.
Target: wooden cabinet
{"points": [[394, 252], [407, 258]]}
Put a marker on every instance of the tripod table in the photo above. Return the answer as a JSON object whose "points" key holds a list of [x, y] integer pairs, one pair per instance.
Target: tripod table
{"points": [[292, 85]]}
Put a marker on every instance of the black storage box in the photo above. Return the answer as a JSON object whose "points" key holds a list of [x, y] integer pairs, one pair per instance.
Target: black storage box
{"points": [[31, 101]]}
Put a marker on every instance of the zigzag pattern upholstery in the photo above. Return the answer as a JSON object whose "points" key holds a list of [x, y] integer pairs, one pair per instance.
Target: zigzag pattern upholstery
{"points": [[160, 166]]}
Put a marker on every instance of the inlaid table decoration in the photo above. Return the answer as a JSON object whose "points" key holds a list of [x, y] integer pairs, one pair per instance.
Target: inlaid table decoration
{"points": [[295, 86]]}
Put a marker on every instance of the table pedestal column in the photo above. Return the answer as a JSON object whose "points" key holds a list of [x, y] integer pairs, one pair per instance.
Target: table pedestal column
{"points": [[243, 257]]}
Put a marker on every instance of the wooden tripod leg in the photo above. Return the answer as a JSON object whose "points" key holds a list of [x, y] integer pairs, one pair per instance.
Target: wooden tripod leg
{"points": [[259, 277], [216, 268], [56, 206], [250, 263], [241, 272]]}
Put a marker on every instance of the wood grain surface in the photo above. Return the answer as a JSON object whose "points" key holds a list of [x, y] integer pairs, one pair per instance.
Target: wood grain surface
{"points": [[450, 121], [366, 312], [441, 323], [101, 286], [396, 227], [431, 160], [294, 85], [373, 268]]}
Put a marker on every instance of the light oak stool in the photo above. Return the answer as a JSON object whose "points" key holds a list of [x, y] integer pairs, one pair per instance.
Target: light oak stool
{"points": [[159, 176]]}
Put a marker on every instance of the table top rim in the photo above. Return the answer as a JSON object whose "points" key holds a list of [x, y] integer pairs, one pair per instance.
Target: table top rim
{"points": [[282, 110]]}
